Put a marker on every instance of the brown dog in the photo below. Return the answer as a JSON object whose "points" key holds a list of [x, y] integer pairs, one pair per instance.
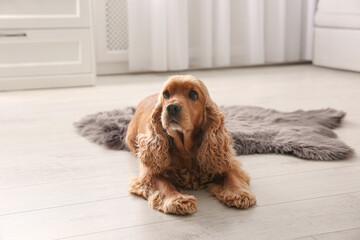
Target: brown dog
{"points": [[181, 141]]}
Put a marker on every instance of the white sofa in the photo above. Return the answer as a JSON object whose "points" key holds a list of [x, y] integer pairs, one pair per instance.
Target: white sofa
{"points": [[337, 34]]}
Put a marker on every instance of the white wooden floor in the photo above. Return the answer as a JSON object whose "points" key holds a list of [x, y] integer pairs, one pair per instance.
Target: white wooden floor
{"points": [[54, 184]]}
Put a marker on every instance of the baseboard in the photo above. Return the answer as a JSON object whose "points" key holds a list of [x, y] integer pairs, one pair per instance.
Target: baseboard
{"points": [[110, 68]]}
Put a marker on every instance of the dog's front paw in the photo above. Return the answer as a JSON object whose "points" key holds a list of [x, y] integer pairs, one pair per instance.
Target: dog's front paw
{"points": [[239, 199], [181, 204]]}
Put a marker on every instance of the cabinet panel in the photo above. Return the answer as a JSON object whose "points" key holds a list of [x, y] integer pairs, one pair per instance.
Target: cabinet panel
{"points": [[44, 52], [44, 13]]}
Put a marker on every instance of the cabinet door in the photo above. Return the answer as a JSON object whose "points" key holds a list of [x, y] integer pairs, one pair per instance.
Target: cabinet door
{"points": [[44, 13], [44, 52]]}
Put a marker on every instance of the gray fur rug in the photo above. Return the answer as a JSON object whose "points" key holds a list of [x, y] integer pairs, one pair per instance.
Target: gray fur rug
{"points": [[305, 134]]}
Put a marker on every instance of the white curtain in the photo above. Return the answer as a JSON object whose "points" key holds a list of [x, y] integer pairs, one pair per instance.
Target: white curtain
{"points": [[180, 34]]}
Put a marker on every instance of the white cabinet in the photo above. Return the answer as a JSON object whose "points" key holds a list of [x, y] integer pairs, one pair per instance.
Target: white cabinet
{"points": [[45, 44]]}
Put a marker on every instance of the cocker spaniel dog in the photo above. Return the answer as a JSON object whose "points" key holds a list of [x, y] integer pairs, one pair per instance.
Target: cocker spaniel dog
{"points": [[181, 141]]}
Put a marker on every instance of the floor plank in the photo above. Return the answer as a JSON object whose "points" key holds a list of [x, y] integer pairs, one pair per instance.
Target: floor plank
{"points": [[295, 187], [351, 234]]}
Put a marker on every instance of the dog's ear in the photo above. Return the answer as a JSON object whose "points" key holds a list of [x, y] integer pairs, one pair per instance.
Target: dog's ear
{"points": [[153, 147], [216, 148]]}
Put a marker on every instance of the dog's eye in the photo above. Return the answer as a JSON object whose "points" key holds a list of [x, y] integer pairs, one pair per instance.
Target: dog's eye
{"points": [[193, 95], [166, 95]]}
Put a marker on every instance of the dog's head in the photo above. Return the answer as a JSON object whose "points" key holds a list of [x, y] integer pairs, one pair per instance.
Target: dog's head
{"points": [[184, 108], [183, 100]]}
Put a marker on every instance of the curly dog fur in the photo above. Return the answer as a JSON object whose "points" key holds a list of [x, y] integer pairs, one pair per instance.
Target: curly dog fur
{"points": [[180, 138]]}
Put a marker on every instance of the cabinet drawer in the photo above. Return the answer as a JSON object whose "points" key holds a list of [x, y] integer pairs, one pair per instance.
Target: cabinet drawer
{"points": [[44, 14], [44, 52]]}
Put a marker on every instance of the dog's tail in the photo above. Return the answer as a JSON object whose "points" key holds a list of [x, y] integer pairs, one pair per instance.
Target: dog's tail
{"points": [[107, 128]]}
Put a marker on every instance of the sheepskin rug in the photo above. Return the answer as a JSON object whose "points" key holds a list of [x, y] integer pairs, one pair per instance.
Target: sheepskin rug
{"points": [[304, 134]]}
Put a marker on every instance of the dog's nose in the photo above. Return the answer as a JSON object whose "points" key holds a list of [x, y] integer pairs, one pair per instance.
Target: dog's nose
{"points": [[173, 109]]}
